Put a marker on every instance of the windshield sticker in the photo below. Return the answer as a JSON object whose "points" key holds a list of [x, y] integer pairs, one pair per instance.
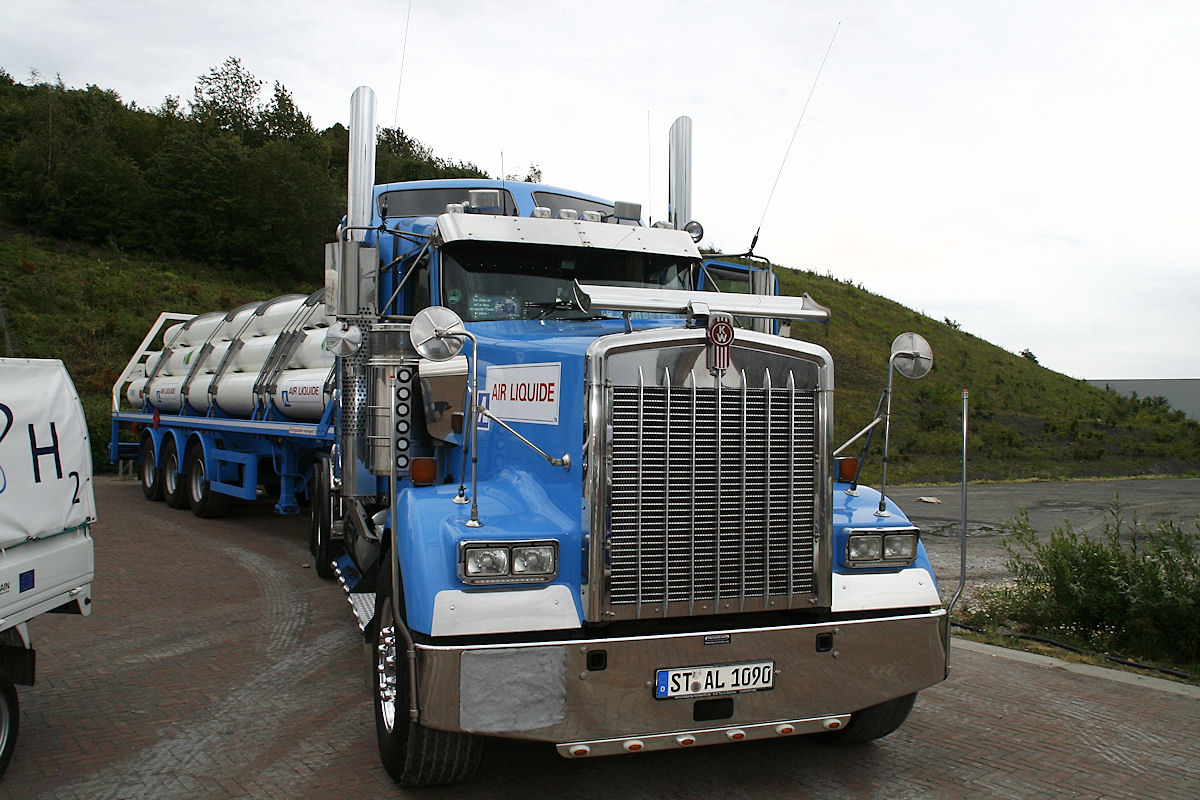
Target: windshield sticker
{"points": [[525, 392]]}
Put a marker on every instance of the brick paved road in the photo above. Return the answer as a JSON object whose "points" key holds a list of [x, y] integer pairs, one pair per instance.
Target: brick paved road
{"points": [[217, 665]]}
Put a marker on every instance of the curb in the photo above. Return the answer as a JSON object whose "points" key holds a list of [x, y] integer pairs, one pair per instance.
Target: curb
{"points": [[1091, 670]]}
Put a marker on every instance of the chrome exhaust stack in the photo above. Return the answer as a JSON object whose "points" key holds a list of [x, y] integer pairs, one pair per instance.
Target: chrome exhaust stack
{"points": [[679, 199]]}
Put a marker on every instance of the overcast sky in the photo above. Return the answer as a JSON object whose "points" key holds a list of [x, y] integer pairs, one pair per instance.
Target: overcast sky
{"points": [[1030, 170]]}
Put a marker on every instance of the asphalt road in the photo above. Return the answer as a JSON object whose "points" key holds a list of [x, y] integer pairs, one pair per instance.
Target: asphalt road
{"points": [[1087, 506], [218, 665]]}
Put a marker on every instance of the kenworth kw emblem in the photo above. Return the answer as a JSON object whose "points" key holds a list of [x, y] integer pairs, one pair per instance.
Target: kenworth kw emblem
{"points": [[720, 337]]}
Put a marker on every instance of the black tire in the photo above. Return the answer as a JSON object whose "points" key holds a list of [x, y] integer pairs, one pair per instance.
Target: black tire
{"points": [[10, 718], [173, 485], [148, 471], [411, 753], [874, 722], [204, 501], [320, 521]]}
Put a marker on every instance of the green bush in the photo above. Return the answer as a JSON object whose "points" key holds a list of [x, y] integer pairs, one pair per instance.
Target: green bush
{"points": [[1134, 591]]}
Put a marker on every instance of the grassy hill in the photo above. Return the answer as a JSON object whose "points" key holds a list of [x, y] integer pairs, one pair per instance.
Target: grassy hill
{"points": [[1025, 421], [91, 306]]}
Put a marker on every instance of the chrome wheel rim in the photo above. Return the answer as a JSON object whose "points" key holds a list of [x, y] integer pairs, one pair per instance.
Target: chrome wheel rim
{"points": [[197, 480], [170, 473], [147, 472]]}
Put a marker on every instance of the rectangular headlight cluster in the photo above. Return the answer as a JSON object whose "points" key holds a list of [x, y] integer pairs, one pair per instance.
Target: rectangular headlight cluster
{"points": [[482, 563], [882, 547]]}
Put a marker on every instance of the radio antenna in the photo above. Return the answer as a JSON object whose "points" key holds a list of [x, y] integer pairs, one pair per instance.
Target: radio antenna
{"points": [[788, 152], [403, 53], [649, 173]]}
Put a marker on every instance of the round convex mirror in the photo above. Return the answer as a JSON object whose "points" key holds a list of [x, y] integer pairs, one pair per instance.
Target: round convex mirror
{"points": [[912, 355], [437, 333]]}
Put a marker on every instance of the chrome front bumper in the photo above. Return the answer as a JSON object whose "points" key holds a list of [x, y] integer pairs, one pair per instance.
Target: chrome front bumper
{"points": [[589, 703]]}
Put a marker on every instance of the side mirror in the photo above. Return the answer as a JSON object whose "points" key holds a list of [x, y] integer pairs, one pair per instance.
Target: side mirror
{"points": [[911, 355], [437, 333]]}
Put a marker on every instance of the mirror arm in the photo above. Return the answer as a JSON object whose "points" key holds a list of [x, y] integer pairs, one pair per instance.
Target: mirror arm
{"points": [[564, 462], [870, 426]]}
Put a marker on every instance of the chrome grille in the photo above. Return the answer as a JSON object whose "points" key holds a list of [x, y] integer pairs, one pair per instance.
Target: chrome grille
{"points": [[712, 498]]}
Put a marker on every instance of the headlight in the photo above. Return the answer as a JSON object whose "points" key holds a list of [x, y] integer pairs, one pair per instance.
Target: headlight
{"points": [[882, 548], [507, 562], [486, 561], [537, 560], [899, 547], [864, 548]]}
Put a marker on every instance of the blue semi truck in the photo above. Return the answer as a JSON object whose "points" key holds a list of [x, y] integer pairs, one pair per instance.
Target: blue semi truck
{"points": [[578, 487]]}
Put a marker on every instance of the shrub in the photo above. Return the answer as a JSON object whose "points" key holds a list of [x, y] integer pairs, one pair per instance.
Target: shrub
{"points": [[1134, 591]]}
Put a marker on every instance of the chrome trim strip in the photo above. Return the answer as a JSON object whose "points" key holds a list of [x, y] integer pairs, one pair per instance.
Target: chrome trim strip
{"points": [[280, 428], [666, 638], [791, 517], [667, 495], [767, 492]]}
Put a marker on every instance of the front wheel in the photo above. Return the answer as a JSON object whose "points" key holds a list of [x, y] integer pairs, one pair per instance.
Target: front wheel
{"points": [[204, 501], [411, 753], [10, 716], [874, 722]]}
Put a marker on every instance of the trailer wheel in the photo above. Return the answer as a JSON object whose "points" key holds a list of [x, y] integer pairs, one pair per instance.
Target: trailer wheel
{"points": [[174, 491], [320, 526], [148, 471], [874, 722], [10, 717], [205, 503], [411, 753]]}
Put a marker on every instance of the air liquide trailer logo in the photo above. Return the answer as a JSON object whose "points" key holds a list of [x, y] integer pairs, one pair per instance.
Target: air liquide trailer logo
{"points": [[524, 392]]}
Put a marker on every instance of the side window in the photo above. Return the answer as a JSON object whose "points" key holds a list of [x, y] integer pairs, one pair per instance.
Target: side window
{"points": [[420, 296]]}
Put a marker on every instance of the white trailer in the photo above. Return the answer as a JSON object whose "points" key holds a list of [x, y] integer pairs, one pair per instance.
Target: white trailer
{"points": [[46, 512]]}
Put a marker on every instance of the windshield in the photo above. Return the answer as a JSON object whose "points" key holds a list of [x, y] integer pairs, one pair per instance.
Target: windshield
{"points": [[432, 202], [502, 280]]}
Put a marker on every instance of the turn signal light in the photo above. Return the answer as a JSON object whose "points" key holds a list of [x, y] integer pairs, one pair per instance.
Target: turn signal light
{"points": [[423, 471], [846, 468]]}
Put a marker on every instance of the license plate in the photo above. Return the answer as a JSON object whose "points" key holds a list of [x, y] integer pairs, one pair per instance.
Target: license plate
{"points": [[749, 676]]}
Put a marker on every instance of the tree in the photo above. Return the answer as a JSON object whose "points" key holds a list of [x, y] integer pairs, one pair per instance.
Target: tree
{"points": [[281, 119], [533, 176], [226, 98]]}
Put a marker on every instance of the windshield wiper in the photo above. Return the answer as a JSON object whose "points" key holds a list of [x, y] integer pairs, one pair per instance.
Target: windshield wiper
{"points": [[548, 307]]}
